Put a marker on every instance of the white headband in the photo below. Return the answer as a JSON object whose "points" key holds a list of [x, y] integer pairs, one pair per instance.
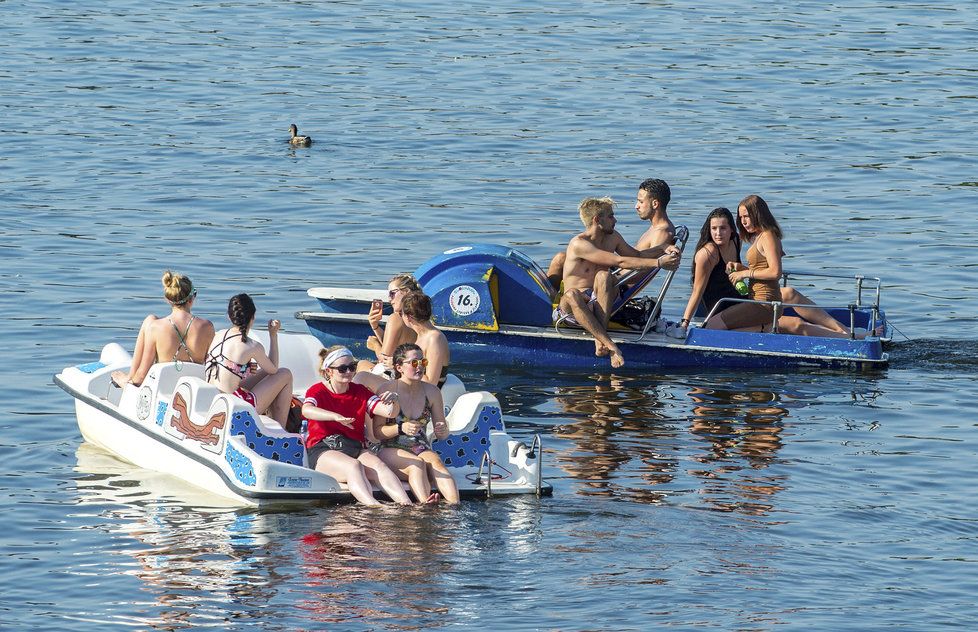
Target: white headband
{"points": [[333, 356]]}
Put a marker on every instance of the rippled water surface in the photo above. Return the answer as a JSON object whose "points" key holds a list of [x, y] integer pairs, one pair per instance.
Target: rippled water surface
{"points": [[142, 136]]}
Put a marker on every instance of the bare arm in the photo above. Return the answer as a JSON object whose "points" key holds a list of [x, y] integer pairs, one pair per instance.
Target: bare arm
{"points": [[770, 247], [703, 263], [438, 421], [393, 333], [584, 249], [311, 411]]}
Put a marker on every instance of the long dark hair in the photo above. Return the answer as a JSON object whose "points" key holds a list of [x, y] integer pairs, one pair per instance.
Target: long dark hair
{"points": [[241, 309], [721, 212], [760, 216]]}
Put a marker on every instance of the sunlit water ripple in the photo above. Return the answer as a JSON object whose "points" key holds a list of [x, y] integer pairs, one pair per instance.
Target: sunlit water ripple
{"points": [[141, 136]]}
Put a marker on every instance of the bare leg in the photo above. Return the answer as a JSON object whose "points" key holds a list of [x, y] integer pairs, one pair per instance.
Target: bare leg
{"points": [[347, 470], [443, 478], [815, 315], [801, 327], [555, 272], [144, 350], [575, 302], [273, 393], [408, 468], [378, 472]]}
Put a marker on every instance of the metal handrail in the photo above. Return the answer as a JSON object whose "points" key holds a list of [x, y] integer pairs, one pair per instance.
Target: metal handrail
{"points": [[536, 452], [682, 236], [487, 461], [779, 307]]}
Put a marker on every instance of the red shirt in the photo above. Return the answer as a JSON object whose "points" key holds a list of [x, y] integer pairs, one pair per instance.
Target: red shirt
{"points": [[352, 403]]}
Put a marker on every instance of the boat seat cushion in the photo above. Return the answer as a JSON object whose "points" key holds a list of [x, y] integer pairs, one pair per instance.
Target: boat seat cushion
{"points": [[467, 448], [285, 449]]}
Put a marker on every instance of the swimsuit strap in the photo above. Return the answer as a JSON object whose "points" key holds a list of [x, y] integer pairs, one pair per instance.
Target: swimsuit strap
{"points": [[183, 339], [215, 361]]}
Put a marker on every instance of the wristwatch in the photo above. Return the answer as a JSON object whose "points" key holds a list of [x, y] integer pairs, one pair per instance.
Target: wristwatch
{"points": [[400, 424]]}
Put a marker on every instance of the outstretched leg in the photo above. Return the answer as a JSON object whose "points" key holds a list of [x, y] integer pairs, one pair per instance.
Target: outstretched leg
{"points": [[815, 315], [408, 468], [143, 353], [378, 472], [346, 469], [443, 478], [575, 302]]}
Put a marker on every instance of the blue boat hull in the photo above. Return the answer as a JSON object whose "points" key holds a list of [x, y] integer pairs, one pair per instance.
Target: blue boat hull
{"points": [[703, 349]]}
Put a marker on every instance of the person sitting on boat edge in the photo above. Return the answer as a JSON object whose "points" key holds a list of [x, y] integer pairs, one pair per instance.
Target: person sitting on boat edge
{"points": [[589, 286], [718, 246], [407, 438], [339, 415], [385, 340], [416, 313], [651, 202], [180, 337], [758, 226], [229, 368]]}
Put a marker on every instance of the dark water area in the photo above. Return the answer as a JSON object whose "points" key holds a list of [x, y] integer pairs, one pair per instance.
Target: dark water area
{"points": [[137, 137]]}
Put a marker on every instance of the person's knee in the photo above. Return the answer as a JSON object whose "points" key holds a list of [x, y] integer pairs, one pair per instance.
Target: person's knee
{"points": [[789, 294]]}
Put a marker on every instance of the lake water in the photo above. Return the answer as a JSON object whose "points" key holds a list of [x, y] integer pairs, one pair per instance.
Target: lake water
{"points": [[140, 136]]}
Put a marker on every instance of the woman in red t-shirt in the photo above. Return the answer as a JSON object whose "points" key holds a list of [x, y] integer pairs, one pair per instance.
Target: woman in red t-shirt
{"points": [[337, 411]]}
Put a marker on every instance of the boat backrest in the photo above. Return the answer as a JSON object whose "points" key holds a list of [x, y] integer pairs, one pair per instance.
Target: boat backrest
{"points": [[470, 421], [165, 375], [298, 353], [451, 390]]}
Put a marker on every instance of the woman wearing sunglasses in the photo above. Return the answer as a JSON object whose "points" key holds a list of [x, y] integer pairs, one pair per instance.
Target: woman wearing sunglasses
{"points": [[420, 405], [385, 339], [337, 412], [180, 337]]}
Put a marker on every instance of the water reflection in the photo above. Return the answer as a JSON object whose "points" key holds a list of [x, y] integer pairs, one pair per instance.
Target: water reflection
{"points": [[200, 564], [617, 427], [742, 433]]}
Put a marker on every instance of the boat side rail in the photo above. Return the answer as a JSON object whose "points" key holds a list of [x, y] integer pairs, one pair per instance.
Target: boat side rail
{"points": [[869, 283], [779, 311]]}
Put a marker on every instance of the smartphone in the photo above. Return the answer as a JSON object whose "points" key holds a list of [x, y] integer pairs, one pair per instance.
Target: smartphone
{"points": [[378, 304]]}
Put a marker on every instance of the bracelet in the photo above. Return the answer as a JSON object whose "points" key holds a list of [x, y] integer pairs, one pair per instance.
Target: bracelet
{"points": [[684, 321], [400, 427]]}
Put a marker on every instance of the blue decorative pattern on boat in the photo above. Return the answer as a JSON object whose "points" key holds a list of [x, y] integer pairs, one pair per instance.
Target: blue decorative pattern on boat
{"points": [[468, 448], [91, 367], [161, 412], [282, 449], [244, 471]]}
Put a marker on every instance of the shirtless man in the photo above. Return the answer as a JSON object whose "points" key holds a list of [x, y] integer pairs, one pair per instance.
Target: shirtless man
{"points": [[652, 200], [589, 287]]}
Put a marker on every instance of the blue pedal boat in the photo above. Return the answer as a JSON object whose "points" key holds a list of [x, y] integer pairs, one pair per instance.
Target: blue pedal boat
{"points": [[495, 305]]}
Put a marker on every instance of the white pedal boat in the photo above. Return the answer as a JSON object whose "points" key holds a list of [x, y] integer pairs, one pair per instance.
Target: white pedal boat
{"points": [[177, 423]]}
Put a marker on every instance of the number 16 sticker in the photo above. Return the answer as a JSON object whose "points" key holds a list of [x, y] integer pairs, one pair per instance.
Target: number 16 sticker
{"points": [[464, 300]]}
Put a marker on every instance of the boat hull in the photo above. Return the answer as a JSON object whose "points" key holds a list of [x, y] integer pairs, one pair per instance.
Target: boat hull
{"points": [[546, 348]]}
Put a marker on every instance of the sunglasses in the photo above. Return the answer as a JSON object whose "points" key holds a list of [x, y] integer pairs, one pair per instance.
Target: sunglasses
{"points": [[423, 362], [345, 368], [391, 293]]}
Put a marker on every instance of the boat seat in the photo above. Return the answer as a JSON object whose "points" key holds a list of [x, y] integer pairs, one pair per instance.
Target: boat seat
{"points": [[271, 443], [451, 390], [167, 374], [638, 280], [470, 421]]}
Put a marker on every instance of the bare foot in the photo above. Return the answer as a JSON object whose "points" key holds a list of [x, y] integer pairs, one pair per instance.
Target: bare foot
{"points": [[433, 499], [600, 349], [119, 378], [617, 359], [373, 343]]}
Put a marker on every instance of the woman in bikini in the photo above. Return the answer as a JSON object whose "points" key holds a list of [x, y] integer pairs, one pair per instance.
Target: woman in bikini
{"points": [[180, 337], [718, 246], [407, 438], [759, 227], [416, 314], [228, 365], [340, 419]]}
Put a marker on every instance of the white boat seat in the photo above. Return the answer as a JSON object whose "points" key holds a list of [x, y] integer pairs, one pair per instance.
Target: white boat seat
{"points": [[470, 421], [451, 390], [271, 443]]}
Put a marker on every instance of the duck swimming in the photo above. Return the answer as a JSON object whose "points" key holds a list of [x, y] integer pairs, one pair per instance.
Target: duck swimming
{"points": [[296, 140]]}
